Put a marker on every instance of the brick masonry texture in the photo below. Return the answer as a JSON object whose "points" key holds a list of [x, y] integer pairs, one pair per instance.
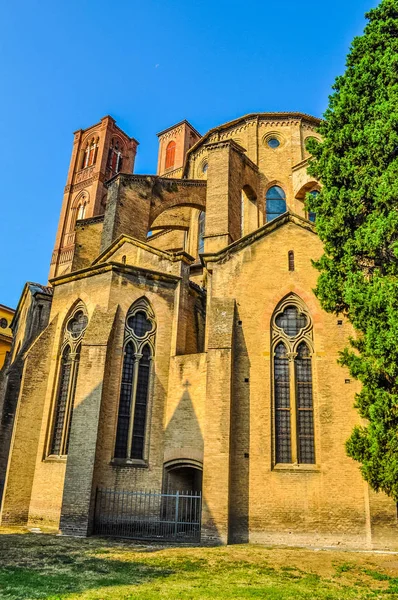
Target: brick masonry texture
{"points": [[210, 410]]}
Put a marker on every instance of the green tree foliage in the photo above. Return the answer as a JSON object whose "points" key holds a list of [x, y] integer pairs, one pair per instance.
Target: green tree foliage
{"points": [[357, 220]]}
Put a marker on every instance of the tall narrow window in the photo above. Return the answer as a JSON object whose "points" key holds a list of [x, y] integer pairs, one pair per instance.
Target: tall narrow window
{"points": [[67, 380], [201, 232], [141, 400], [170, 155], [81, 211], [275, 202], [292, 383], [90, 153], [282, 405], [305, 418], [115, 157], [291, 260], [139, 339]]}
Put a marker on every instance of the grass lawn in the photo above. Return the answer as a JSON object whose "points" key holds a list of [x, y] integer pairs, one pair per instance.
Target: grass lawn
{"points": [[51, 567]]}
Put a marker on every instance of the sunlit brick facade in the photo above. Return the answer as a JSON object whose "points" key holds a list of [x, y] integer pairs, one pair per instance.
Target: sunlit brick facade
{"points": [[184, 347]]}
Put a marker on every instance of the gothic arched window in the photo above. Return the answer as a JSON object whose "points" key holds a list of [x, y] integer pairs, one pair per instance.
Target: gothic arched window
{"points": [[68, 372], [139, 340], [292, 345], [90, 153], [81, 211], [201, 231], [115, 157], [275, 201], [170, 155]]}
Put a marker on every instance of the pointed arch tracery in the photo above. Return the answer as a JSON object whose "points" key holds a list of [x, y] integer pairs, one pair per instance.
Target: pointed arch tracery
{"points": [[292, 351], [115, 155], [73, 333], [139, 350], [90, 152]]}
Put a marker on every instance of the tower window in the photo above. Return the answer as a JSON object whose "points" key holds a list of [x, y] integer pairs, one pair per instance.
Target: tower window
{"points": [[90, 153], [275, 203], [115, 157], [81, 211], [170, 155], [292, 384]]}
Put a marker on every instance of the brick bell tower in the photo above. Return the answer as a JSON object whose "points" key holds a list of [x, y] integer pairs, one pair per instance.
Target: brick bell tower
{"points": [[98, 153]]}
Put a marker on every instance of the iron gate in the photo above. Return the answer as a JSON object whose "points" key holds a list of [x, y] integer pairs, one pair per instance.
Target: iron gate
{"points": [[172, 516]]}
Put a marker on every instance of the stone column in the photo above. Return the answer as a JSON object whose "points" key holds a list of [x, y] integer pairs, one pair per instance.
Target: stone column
{"points": [[216, 464]]}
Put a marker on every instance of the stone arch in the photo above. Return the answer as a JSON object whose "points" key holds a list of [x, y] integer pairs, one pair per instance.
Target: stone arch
{"points": [[199, 203], [78, 208], [90, 134], [173, 218], [183, 474], [272, 183], [310, 186]]}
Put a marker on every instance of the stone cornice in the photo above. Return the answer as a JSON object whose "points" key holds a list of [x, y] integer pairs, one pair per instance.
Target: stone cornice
{"points": [[117, 268], [99, 125], [263, 231], [183, 122], [300, 165], [211, 146], [154, 178], [249, 118]]}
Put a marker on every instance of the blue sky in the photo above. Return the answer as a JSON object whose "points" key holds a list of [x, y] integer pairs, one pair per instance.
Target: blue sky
{"points": [[66, 64]]}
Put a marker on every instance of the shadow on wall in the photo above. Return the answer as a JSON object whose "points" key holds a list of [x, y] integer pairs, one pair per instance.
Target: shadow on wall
{"points": [[240, 441], [184, 472]]}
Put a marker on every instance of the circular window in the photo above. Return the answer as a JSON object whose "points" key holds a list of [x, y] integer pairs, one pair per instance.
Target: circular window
{"points": [[205, 167], [3, 323], [273, 142]]}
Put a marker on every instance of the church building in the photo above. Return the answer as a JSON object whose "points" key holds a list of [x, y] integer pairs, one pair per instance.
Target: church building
{"points": [[179, 346]]}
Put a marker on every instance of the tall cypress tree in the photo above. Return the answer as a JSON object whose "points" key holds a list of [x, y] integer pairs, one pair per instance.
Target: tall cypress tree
{"points": [[357, 220]]}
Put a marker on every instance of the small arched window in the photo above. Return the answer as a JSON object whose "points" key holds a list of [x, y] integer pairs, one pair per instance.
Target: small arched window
{"points": [[170, 155], [201, 232], [67, 379], [81, 211], [292, 383], [275, 203], [291, 260], [139, 339], [90, 153], [115, 157]]}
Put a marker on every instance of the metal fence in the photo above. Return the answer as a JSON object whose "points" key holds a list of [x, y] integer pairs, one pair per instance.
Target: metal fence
{"points": [[170, 516]]}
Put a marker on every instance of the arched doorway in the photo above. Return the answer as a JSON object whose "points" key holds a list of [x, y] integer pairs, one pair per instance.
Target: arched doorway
{"points": [[183, 476]]}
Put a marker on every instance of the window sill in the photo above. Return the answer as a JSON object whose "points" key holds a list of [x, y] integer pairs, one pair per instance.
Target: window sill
{"points": [[55, 458], [135, 463], [296, 468]]}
